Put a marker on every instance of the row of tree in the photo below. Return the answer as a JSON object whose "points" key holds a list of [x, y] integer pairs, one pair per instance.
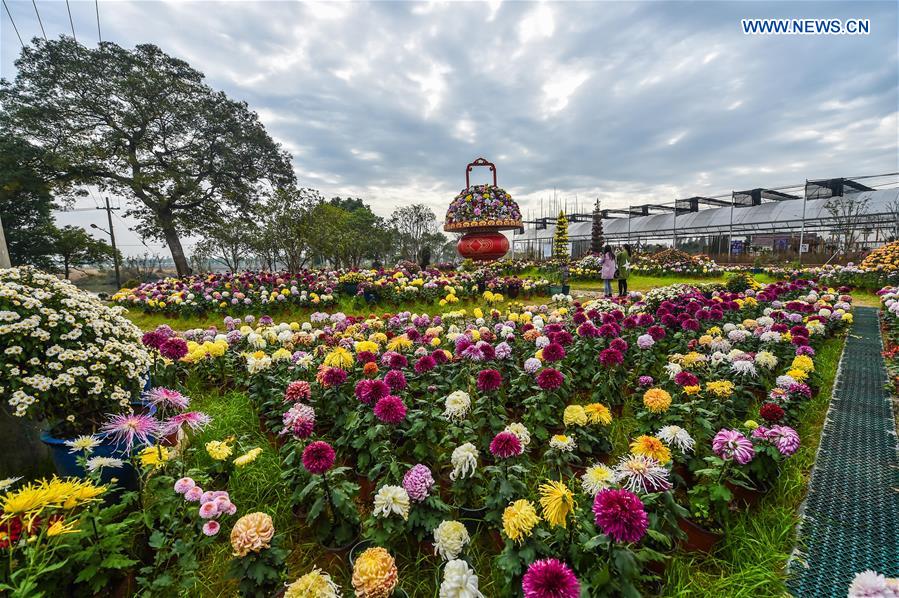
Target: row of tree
{"points": [[144, 126]]}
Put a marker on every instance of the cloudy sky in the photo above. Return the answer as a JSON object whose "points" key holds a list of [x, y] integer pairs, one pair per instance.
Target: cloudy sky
{"points": [[626, 101]]}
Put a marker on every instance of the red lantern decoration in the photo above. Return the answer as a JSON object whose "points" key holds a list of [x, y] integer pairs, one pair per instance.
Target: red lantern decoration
{"points": [[489, 245]]}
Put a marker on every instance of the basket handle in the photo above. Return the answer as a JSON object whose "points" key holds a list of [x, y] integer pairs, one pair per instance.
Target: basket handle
{"points": [[479, 162]]}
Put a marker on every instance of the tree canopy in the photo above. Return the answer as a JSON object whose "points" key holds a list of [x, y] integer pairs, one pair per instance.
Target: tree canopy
{"points": [[144, 125]]}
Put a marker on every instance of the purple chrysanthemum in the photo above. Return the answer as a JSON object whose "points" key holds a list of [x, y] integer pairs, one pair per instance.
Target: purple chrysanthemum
{"points": [[732, 445], [330, 377], [686, 379], [418, 482], [553, 352], [620, 515], [489, 380], [390, 409], [645, 380], [550, 379], [610, 357], [424, 364], [550, 578], [505, 445], [299, 420], [785, 438], [396, 380], [318, 457], [174, 348], [128, 427]]}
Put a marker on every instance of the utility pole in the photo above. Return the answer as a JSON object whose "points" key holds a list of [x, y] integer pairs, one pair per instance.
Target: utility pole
{"points": [[4, 251], [115, 254]]}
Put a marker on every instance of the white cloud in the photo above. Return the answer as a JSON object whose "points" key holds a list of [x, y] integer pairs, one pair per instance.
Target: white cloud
{"points": [[560, 87], [539, 23]]}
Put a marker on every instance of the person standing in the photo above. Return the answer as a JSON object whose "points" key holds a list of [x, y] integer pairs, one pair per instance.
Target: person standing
{"points": [[608, 265], [623, 259]]}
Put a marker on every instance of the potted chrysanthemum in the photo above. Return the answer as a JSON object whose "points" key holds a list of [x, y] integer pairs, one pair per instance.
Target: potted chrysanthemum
{"points": [[68, 361]]}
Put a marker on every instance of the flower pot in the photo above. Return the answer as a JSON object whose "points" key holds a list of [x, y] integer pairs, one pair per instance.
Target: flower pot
{"points": [[349, 546], [698, 538], [513, 292], [554, 289], [748, 497], [472, 518], [357, 549]]}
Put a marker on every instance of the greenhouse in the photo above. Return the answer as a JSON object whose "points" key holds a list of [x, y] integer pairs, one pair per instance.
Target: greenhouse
{"points": [[777, 219]]}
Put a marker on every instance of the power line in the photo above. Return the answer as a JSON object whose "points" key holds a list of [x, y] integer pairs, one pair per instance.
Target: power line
{"points": [[97, 6], [71, 22], [11, 20], [41, 23]]}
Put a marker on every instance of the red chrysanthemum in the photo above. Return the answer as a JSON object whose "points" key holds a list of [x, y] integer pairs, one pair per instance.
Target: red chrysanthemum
{"points": [[318, 457], [550, 379], [489, 380], [390, 409]]}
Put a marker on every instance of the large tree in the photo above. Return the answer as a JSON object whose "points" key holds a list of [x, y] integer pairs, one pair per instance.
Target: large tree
{"points": [[26, 202], [415, 226], [144, 125]]}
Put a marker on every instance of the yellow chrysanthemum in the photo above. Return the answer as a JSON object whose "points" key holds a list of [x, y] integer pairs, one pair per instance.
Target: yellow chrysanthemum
{"points": [[657, 400], [720, 388], [60, 527], [315, 584], [557, 502], [252, 533], [248, 457], [369, 346], [219, 449], [797, 374], [519, 520], [692, 390], [374, 574], [575, 415], [339, 358], [399, 343], [804, 363], [598, 414], [650, 446], [154, 456]]}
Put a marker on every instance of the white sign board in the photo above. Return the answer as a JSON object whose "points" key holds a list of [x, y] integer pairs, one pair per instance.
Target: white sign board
{"points": [[803, 248]]}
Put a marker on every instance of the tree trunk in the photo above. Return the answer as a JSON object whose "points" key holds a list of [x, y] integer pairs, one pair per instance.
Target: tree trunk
{"points": [[174, 243], [65, 265]]}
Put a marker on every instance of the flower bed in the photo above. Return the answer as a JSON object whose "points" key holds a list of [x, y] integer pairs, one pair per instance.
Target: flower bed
{"points": [[674, 262], [431, 435], [249, 292]]}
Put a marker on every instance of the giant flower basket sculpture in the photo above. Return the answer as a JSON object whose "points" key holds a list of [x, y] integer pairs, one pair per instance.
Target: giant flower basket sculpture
{"points": [[481, 212]]}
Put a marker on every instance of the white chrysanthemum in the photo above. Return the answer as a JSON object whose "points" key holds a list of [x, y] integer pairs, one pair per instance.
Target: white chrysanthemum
{"points": [[458, 404], [676, 436], [596, 478], [391, 500], [785, 381], [870, 584], [521, 432], [86, 443], [464, 460], [450, 538], [770, 337], [744, 368], [766, 359], [95, 463], [641, 474], [563, 442], [459, 581], [673, 369], [8, 482]]}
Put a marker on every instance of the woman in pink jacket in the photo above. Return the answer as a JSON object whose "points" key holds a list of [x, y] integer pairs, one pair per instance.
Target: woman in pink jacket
{"points": [[608, 269]]}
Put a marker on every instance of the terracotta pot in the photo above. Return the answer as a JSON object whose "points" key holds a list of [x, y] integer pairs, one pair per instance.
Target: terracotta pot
{"points": [[744, 496], [698, 538], [366, 489]]}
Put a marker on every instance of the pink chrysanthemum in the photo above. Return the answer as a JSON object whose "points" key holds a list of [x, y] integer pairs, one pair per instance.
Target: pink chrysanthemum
{"points": [[369, 391], [166, 397], [299, 421], [318, 457], [505, 445], [418, 482], [550, 379], [390, 409], [128, 427], [298, 390], [620, 515], [424, 364], [331, 377], [211, 528], [195, 420], [550, 578], [553, 352], [610, 357], [732, 445], [184, 484], [686, 379], [489, 380], [396, 380], [785, 438]]}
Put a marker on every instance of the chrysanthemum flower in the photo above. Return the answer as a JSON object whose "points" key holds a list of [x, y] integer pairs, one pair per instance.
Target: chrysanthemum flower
{"points": [[550, 578], [318, 457], [248, 457], [505, 445], [418, 482], [390, 410], [732, 445], [785, 438], [598, 413], [459, 581], [550, 379], [620, 515], [771, 412], [95, 463], [252, 533], [458, 403], [315, 584], [374, 574], [676, 436], [219, 450], [563, 442], [299, 421], [519, 429], [657, 400], [642, 474], [370, 391], [557, 502], [298, 390], [126, 428], [167, 397], [195, 420], [595, 478], [450, 538], [489, 380], [610, 357], [391, 500], [650, 446], [464, 460], [574, 415], [519, 520], [85, 443]]}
